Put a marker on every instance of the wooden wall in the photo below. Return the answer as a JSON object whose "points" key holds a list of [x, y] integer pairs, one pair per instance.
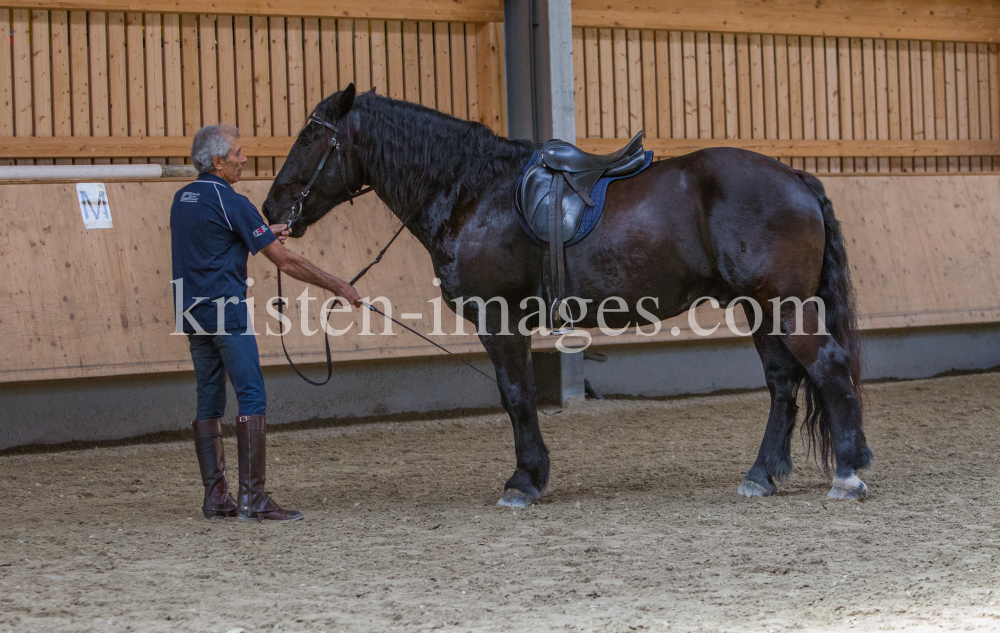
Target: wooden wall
{"points": [[105, 83], [79, 303], [813, 86]]}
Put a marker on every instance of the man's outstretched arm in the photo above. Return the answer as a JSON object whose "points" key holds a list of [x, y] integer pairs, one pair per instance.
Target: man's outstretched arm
{"points": [[294, 265]]}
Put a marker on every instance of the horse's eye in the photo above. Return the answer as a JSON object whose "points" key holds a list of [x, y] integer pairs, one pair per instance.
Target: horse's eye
{"points": [[303, 142]]}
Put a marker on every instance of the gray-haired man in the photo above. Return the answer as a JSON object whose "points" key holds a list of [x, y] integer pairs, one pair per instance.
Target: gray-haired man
{"points": [[213, 232]]}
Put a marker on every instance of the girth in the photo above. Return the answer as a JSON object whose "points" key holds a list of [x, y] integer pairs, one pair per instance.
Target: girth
{"points": [[552, 194]]}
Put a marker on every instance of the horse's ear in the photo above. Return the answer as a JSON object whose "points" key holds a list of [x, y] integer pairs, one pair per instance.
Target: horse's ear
{"points": [[372, 91], [346, 100]]}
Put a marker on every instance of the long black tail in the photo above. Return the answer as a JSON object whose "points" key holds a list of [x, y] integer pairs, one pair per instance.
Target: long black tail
{"points": [[839, 298]]}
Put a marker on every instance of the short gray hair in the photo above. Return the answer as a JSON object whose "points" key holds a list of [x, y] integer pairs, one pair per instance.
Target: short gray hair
{"points": [[209, 142]]}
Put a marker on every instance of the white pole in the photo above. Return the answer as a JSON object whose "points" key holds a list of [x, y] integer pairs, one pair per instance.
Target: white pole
{"points": [[94, 172]]}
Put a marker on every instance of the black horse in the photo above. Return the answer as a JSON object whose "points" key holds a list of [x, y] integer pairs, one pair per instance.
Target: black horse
{"points": [[721, 222]]}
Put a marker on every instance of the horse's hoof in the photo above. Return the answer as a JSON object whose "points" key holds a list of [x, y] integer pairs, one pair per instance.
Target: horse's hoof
{"points": [[753, 489], [514, 498], [848, 488]]}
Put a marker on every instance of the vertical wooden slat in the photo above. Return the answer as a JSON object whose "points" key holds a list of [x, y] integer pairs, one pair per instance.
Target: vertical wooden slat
{"points": [[757, 86], [795, 92], [857, 98], [972, 70], [846, 98], [62, 104], [24, 118], [459, 90], [940, 99], [99, 119], [312, 67], [243, 42], [605, 56], [881, 99], [379, 60], [6, 82], [634, 61], [472, 70], [442, 67], [819, 85], [394, 58], [917, 99], [117, 78], [783, 97], [620, 83], [650, 117], [345, 53], [808, 97], [262, 88], [690, 85], [832, 99], [490, 62], [962, 100], [704, 86], [41, 76], [893, 89], [718, 71], [743, 89], [136, 78], [190, 73], [80, 78], [279, 82], [950, 106], [411, 61], [362, 56], [994, 98], [172, 84], [770, 92], [428, 87], [592, 82], [208, 51], [328, 57], [224, 37], [982, 58], [153, 46], [929, 96], [579, 83], [905, 100], [675, 58], [730, 82], [870, 104]]}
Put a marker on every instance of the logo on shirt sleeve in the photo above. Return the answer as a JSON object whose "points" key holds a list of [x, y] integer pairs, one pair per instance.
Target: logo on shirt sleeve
{"points": [[189, 196], [260, 231]]}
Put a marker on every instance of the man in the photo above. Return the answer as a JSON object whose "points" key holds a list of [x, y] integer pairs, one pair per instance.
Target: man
{"points": [[213, 231]]}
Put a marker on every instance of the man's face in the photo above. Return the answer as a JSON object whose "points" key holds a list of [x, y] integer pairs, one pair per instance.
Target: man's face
{"points": [[230, 168]]}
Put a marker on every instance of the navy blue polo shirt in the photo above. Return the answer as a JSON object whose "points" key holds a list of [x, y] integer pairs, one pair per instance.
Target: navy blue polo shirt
{"points": [[213, 231]]}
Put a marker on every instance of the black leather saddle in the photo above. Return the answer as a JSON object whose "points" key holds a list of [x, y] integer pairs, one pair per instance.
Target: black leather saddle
{"points": [[552, 195], [559, 162]]}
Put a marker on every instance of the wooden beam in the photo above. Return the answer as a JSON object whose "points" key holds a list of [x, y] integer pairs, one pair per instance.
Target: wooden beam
{"points": [[966, 21], [447, 10], [172, 146], [129, 147], [800, 148]]}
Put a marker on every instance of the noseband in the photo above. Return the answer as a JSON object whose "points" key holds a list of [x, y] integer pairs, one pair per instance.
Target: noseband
{"points": [[334, 146]]}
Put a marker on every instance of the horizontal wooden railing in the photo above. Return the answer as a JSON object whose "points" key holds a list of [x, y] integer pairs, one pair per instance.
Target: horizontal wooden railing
{"points": [[966, 20], [434, 10]]}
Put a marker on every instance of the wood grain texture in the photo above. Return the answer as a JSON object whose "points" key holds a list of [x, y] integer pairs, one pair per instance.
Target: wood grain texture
{"points": [[923, 251]]}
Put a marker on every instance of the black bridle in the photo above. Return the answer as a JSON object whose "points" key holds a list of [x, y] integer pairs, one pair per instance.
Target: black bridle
{"points": [[333, 145]]}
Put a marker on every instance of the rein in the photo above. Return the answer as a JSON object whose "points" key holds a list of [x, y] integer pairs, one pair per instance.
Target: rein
{"points": [[334, 146]]}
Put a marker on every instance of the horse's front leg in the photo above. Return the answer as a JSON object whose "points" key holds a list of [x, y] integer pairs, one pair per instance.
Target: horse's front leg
{"points": [[511, 356]]}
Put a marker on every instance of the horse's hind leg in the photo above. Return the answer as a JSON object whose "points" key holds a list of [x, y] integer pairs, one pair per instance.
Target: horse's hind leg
{"points": [[828, 366], [774, 459], [511, 356]]}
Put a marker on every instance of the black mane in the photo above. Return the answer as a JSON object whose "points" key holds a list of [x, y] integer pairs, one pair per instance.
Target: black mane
{"points": [[413, 154]]}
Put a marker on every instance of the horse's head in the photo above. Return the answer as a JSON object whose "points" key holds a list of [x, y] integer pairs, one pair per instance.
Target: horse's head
{"points": [[316, 176]]}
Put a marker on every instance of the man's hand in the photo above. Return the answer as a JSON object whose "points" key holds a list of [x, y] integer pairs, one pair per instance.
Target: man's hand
{"points": [[348, 292], [281, 231]]}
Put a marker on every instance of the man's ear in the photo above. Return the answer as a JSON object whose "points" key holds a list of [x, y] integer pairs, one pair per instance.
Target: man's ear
{"points": [[346, 100]]}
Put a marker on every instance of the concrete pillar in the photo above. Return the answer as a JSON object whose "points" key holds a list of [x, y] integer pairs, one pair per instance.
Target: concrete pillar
{"points": [[539, 52]]}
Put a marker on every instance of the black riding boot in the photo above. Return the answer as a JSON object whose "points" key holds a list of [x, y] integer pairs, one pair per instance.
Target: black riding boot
{"points": [[212, 463], [254, 502]]}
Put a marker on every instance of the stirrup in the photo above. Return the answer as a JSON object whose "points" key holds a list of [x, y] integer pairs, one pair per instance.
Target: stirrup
{"points": [[553, 330]]}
